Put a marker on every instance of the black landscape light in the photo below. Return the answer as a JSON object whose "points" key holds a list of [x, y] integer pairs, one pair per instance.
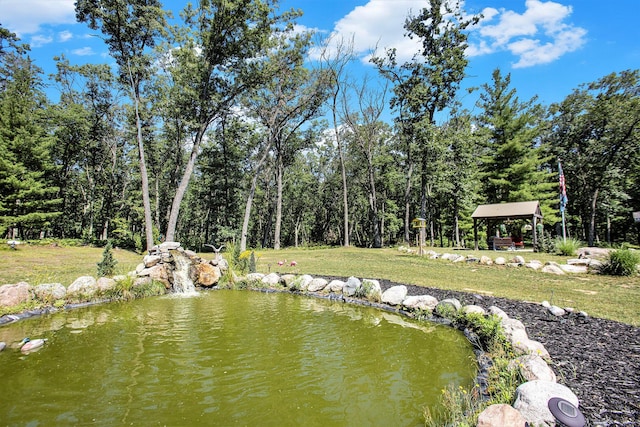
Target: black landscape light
{"points": [[566, 412]]}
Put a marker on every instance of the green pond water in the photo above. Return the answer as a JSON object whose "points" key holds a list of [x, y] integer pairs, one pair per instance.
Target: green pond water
{"points": [[229, 358]]}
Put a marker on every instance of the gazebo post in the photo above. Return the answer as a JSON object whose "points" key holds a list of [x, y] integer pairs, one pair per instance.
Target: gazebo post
{"points": [[475, 233], [535, 234]]}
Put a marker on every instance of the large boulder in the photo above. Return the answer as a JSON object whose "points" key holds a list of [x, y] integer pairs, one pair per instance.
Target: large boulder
{"points": [[158, 272], [533, 367], [374, 290], [317, 284], [501, 415], [50, 292], [83, 285], [207, 275], [351, 286], [11, 295], [105, 284], [532, 400], [448, 304], [420, 302], [335, 286], [395, 295], [271, 279]]}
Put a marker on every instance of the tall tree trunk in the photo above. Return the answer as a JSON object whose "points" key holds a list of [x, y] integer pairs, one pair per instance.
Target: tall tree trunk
{"points": [[343, 171], [278, 227], [252, 191], [592, 218], [144, 179], [184, 183], [373, 204], [407, 205]]}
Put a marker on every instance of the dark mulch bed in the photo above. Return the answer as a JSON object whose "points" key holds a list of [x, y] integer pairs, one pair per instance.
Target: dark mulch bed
{"points": [[599, 360]]}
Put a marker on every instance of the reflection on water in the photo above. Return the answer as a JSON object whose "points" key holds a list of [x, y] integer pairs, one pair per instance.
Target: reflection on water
{"points": [[229, 357]]}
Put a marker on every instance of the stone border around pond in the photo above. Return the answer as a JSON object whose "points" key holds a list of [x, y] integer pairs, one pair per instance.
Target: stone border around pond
{"points": [[531, 397]]}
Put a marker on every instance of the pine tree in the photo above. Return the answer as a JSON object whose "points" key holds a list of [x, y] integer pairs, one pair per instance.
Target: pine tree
{"points": [[107, 267]]}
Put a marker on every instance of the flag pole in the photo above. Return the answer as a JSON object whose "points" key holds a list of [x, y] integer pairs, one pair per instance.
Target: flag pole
{"points": [[563, 200]]}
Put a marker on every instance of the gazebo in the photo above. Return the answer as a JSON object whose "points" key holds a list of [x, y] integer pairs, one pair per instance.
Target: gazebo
{"points": [[506, 212]]}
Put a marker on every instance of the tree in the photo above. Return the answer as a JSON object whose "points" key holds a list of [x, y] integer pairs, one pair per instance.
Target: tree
{"points": [[291, 97], [595, 132], [214, 64], [511, 162], [428, 83], [131, 28], [28, 201], [336, 64], [368, 134]]}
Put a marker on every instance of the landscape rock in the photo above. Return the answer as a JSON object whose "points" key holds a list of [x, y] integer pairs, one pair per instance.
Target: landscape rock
{"points": [[496, 311], [3, 345], [15, 294], [105, 284], [394, 295], [254, 277], [287, 279], [335, 286], [529, 346], [207, 275], [157, 272], [84, 285], [50, 292], [473, 309], [500, 261], [450, 302], [518, 259], [151, 260], [317, 285], [302, 282], [514, 331], [533, 367], [420, 302], [374, 290], [579, 269], [500, 415], [553, 269], [485, 260], [556, 311], [532, 400], [271, 279], [350, 287]]}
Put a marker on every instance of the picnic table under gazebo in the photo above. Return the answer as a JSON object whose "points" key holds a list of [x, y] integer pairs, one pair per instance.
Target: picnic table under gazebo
{"points": [[507, 212]]}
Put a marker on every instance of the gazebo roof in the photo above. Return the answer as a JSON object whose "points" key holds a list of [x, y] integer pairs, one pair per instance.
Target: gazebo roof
{"points": [[508, 210]]}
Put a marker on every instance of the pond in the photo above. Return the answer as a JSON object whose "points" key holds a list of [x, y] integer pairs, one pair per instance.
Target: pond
{"points": [[229, 358]]}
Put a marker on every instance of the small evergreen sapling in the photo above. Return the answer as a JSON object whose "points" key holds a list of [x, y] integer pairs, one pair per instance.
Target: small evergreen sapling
{"points": [[107, 267]]}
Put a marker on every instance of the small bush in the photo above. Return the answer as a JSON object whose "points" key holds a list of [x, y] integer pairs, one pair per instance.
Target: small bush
{"points": [[107, 267], [621, 262], [567, 247]]}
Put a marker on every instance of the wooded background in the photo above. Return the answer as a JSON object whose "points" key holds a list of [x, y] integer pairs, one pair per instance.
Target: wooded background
{"points": [[222, 128]]}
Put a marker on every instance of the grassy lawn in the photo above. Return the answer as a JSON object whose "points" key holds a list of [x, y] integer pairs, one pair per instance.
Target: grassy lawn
{"points": [[601, 296]]}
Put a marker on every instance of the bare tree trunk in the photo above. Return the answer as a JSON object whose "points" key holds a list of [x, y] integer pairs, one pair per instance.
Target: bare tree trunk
{"points": [[252, 191], [278, 227], [407, 205], [592, 220], [184, 183], [144, 179]]}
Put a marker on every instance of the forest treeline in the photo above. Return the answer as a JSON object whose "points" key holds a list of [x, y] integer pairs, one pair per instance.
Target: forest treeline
{"points": [[229, 124]]}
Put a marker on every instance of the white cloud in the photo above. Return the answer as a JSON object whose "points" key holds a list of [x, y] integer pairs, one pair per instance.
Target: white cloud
{"points": [[27, 16], [540, 35], [84, 51], [64, 36], [39, 41]]}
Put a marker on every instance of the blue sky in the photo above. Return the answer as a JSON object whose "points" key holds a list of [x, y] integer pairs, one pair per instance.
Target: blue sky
{"points": [[549, 47]]}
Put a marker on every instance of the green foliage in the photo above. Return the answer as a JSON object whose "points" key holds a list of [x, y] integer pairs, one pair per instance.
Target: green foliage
{"points": [[107, 266], [568, 247], [252, 262], [621, 262]]}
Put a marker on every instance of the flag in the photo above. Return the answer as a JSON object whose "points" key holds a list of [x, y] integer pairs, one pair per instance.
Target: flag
{"points": [[563, 189]]}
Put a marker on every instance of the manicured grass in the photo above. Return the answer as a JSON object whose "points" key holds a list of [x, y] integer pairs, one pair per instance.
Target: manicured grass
{"points": [[616, 298], [55, 264]]}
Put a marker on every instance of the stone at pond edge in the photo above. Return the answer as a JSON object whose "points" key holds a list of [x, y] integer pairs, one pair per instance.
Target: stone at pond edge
{"points": [[11, 295], [207, 274], [105, 284], [533, 367], [83, 285], [501, 415], [3, 345], [335, 286], [532, 400], [374, 291], [271, 279], [49, 292], [395, 295], [556, 311], [287, 279], [469, 309], [420, 302], [451, 302], [350, 287], [317, 285], [497, 311]]}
